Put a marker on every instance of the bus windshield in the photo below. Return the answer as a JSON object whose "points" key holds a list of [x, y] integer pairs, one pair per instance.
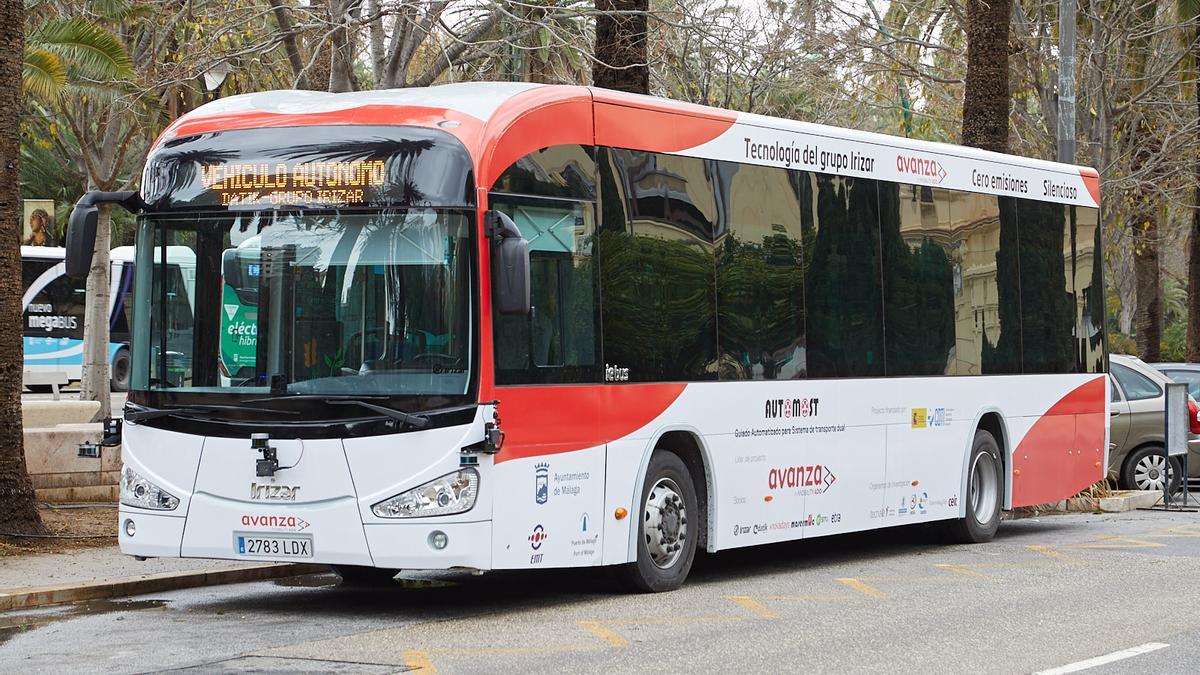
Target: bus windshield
{"points": [[321, 302]]}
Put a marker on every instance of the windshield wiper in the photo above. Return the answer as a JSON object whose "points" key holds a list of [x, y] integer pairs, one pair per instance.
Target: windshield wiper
{"points": [[413, 420], [141, 413]]}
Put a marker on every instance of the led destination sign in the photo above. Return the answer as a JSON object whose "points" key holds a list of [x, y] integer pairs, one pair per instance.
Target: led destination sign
{"points": [[329, 183], [313, 166]]}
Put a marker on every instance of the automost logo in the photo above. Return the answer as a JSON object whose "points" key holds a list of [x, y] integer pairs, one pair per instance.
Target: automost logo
{"points": [[808, 478], [924, 168], [776, 408]]}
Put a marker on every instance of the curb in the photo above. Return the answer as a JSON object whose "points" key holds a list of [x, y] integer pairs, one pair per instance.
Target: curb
{"points": [[1119, 502], [40, 596]]}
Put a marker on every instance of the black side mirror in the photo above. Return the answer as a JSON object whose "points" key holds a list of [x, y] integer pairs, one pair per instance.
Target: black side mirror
{"points": [[81, 239], [81, 228], [510, 265]]}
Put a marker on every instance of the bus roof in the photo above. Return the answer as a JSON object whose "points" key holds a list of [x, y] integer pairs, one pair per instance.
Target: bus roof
{"points": [[499, 122]]}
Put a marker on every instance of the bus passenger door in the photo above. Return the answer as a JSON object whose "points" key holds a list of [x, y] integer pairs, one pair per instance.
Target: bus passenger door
{"points": [[548, 374]]}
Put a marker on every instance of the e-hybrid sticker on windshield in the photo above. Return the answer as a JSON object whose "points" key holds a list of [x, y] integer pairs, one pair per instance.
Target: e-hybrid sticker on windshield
{"points": [[239, 332]]}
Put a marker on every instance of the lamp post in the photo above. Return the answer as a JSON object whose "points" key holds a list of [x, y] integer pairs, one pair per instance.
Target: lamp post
{"points": [[214, 77]]}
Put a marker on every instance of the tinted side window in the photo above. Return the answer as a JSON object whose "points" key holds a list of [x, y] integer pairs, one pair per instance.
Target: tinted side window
{"points": [[987, 342], [658, 217], [1087, 287], [760, 274], [922, 280], [567, 171], [559, 340], [1136, 386], [843, 294], [1048, 318]]}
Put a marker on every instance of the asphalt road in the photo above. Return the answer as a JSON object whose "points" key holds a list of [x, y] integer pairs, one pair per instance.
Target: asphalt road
{"points": [[1055, 594]]}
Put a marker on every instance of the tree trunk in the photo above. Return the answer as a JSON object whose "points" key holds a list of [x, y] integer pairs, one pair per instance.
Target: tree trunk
{"points": [[341, 52], [17, 511], [1148, 318], [986, 97], [96, 385], [621, 55], [284, 20]]}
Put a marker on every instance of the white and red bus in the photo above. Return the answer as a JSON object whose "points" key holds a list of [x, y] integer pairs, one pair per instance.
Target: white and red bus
{"points": [[502, 326]]}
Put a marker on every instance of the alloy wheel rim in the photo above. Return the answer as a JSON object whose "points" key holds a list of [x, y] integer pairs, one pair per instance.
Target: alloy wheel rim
{"points": [[984, 487], [1149, 472], [665, 523]]}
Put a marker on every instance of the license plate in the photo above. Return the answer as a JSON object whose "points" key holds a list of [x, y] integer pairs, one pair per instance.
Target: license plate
{"points": [[273, 545]]}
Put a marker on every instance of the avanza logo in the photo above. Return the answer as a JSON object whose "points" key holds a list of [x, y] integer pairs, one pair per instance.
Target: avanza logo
{"points": [[929, 169], [814, 478], [790, 407], [275, 522]]}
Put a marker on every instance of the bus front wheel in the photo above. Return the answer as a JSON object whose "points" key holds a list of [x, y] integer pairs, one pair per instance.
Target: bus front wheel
{"points": [[120, 371], [667, 527], [985, 492]]}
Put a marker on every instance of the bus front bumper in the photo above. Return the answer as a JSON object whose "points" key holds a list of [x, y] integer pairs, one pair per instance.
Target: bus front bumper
{"points": [[419, 544]]}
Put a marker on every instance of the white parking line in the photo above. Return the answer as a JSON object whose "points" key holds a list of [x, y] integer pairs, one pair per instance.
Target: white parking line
{"points": [[1107, 658]]}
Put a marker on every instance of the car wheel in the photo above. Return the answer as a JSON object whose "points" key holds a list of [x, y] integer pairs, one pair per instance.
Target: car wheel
{"points": [[1146, 469], [985, 493], [666, 529], [358, 575], [120, 371]]}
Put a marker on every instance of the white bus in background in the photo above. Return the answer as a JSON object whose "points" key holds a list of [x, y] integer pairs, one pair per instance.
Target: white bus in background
{"points": [[53, 306]]}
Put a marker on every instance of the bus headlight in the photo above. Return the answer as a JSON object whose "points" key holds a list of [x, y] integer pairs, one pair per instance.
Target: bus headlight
{"points": [[139, 492], [444, 496]]}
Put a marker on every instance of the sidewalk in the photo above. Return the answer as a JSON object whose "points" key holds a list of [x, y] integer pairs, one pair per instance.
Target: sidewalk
{"points": [[104, 572]]}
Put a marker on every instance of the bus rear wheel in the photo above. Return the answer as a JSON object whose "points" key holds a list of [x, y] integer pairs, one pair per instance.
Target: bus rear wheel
{"points": [[985, 492], [120, 371], [667, 531]]}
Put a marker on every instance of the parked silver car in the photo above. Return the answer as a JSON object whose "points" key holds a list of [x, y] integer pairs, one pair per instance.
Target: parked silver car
{"points": [[1136, 427]]}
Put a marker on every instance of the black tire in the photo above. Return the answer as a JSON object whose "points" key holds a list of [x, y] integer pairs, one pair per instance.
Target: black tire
{"points": [[39, 388], [357, 575], [985, 493], [669, 483], [1142, 470], [119, 380]]}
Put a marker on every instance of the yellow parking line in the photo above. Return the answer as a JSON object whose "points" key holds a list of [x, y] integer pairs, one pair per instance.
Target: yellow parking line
{"points": [[613, 638], [1118, 542], [494, 651], [804, 598], [958, 569], [1049, 552], [419, 661], [760, 610], [861, 587], [664, 620]]}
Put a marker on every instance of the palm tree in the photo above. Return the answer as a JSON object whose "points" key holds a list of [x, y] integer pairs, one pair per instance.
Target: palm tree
{"points": [[986, 96], [68, 62], [17, 511], [621, 54], [73, 51]]}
